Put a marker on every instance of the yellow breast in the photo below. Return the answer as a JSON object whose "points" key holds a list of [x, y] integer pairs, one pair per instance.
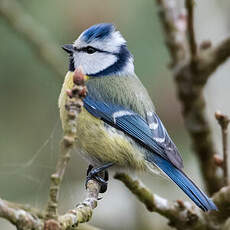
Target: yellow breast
{"points": [[100, 142], [68, 84], [106, 144]]}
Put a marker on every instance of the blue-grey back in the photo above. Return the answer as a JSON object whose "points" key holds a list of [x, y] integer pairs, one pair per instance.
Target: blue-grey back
{"points": [[125, 91]]}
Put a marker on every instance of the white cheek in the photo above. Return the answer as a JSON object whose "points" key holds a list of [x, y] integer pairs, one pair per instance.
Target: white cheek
{"points": [[93, 63]]}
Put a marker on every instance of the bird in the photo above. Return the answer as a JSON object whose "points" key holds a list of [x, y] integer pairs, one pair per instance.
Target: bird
{"points": [[118, 126]]}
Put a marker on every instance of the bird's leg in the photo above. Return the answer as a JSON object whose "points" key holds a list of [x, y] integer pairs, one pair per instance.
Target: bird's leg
{"points": [[94, 174]]}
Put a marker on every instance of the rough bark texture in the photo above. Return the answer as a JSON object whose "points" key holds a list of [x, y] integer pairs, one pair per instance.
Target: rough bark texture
{"points": [[191, 68], [181, 215]]}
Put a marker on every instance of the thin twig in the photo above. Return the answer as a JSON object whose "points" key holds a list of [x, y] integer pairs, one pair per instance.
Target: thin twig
{"points": [[22, 219], [190, 85], [73, 106], [83, 212], [46, 49], [25, 207], [222, 201], [223, 121], [25, 217], [210, 59], [151, 201], [86, 227], [57, 177], [191, 34], [181, 214], [174, 34]]}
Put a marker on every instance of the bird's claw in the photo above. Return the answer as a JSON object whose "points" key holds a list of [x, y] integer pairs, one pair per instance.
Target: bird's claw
{"points": [[93, 174]]}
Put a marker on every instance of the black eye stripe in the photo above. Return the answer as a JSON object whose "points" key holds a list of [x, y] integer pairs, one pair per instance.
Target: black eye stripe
{"points": [[85, 49], [89, 50]]}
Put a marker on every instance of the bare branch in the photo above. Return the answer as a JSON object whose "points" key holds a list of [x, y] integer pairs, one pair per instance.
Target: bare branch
{"points": [[190, 87], [222, 200], [191, 34], [174, 34], [212, 58], [83, 212], [26, 207], [152, 202], [87, 227], [25, 217], [22, 219], [190, 80], [193, 104], [74, 106], [181, 215], [57, 177], [47, 50], [223, 121]]}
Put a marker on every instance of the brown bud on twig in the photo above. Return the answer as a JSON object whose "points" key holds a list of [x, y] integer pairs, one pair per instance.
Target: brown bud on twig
{"points": [[206, 45], [71, 115], [83, 92], [79, 105], [180, 204], [51, 224], [76, 90], [68, 141], [222, 119], [78, 77], [69, 93], [181, 21], [218, 160]]}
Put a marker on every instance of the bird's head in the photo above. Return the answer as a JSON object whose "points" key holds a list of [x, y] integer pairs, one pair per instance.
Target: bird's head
{"points": [[101, 51]]}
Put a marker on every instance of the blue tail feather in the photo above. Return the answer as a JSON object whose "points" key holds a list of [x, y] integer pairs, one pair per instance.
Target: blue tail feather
{"points": [[179, 177]]}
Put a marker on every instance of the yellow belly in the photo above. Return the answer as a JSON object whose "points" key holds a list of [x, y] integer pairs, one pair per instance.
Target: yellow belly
{"points": [[101, 143], [104, 143]]}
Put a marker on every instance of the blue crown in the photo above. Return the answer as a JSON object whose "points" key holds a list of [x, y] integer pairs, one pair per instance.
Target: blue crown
{"points": [[98, 32]]}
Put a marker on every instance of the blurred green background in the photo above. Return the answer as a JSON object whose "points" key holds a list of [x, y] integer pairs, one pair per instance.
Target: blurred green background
{"points": [[29, 120]]}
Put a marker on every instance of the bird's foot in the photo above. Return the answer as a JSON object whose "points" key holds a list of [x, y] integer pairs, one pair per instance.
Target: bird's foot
{"points": [[96, 174]]}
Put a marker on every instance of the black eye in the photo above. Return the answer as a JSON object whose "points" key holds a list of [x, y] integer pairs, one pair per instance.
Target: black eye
{"points": [[90, 50]]}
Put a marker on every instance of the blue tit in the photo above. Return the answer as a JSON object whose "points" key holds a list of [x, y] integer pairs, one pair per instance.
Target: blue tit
{"points": [[118, 126]]}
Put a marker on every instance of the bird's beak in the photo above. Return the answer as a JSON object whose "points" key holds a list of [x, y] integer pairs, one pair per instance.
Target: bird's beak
{"points": [[69, 48]]}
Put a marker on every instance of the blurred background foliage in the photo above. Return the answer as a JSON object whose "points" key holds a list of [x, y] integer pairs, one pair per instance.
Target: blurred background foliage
{"points": [[29, 118]]}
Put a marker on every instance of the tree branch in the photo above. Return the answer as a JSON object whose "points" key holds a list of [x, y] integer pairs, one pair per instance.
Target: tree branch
{"points": [[73, 106], [35, 35], [211, 59], [83, 212], [22, 219], [223, 121], [174, 34], [181, 214], [190, 78], [87, 227], [191, 34], [25, 217], [178, 213]]}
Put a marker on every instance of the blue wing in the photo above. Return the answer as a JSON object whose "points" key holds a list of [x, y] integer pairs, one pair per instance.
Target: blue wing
{"points": [[186, 184], [151, 134], [127, 121], [160, 135]]}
